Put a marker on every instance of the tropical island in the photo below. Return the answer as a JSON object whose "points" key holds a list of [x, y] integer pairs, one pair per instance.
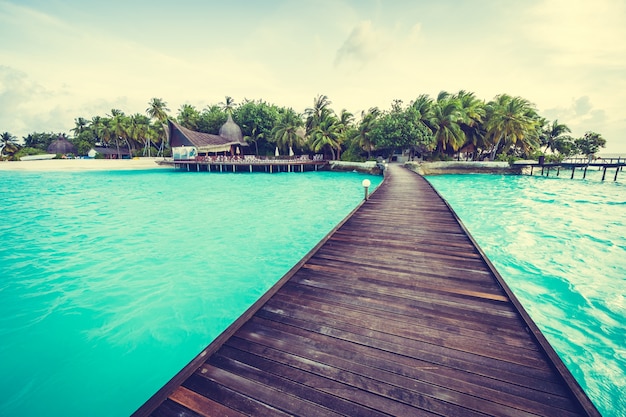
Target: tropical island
{"points": [[448, 127]]}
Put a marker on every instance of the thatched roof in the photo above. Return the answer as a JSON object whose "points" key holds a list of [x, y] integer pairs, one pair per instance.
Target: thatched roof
{"points": [[61, 146], [181, 136], [231, 130]]}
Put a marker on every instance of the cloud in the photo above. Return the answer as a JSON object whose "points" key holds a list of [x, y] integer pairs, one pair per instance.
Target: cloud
{"points": [[582, 105], [19, 99], [580, 116], [361, 47], [580, 32]]}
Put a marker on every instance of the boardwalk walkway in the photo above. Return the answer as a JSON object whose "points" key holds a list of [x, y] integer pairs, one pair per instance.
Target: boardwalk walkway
{"points": [[397, 313]]}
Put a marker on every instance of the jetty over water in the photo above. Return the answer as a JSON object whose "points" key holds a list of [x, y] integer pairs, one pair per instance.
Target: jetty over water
{"points": [[396, 312], [613, 165], [245, 164]]}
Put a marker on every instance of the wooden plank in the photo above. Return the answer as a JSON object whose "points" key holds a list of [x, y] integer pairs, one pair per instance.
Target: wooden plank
{"points": [[202, 405], [218, 391]]}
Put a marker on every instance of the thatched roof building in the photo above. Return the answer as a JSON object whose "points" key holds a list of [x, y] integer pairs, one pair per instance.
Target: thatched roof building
{"points": [[230, 138], [61, 146]]}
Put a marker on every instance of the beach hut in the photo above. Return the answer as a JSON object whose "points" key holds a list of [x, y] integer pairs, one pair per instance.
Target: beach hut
{"points": [[61, 146], [109, 153]]}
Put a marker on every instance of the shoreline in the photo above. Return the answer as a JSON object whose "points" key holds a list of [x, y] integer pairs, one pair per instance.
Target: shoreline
{"points": [[82, 165], [423, 168]]}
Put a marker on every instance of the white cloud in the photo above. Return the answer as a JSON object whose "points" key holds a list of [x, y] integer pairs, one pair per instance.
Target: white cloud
{"points": [[582, 106], [580, 32], [20, 99], [362, 46]]}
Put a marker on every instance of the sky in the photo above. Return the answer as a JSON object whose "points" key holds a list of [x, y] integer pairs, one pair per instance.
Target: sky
{"points": [[63, 59]]}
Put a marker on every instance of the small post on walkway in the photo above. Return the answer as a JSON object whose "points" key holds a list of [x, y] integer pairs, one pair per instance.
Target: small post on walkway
{"points": [[366, 185]]}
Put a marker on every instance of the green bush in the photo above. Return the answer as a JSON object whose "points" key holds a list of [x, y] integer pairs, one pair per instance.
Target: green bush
{"points": [[506, 158], [351, 156], [26, 151]]}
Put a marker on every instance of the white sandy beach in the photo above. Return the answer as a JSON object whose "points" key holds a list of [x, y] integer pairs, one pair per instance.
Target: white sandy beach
{"points": [[82, 164]]}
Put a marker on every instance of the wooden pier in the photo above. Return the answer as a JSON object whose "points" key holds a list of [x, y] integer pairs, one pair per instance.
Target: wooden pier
{"points": [[557, 167], [244, 165], [396, 312]]}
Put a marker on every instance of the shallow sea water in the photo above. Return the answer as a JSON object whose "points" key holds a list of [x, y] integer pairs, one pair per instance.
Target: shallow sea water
{"points": [[111, 282], [560, 245]]}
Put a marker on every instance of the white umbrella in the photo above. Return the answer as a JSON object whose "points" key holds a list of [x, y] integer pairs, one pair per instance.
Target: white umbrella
{"points": [[290, 151], [276, 153]]}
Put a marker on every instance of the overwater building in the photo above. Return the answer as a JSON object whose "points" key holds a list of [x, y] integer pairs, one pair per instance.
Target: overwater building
{"points": [[188, 144]]}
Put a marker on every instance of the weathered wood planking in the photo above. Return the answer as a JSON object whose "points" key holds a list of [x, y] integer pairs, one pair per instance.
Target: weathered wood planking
{"points": [[396, 313]]}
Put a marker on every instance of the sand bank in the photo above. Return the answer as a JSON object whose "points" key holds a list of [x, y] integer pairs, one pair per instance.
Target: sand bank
{"points": [[82, 164]]}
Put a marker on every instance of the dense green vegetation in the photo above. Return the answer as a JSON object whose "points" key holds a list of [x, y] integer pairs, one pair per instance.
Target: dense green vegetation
{"points": [[504, 128]]}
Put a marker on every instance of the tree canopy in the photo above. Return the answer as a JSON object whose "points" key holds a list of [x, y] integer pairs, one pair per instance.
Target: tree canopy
{"points": [[502, 128]]}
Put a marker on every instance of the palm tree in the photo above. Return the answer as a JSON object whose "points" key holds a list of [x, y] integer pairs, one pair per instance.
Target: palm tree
{"points": [[157, 109], [472, 116], [327, 135], [228, 106], [102, 127], [80, 125], [254, 136], [423, 104], [345, 124], [446, 118], [7, 143], [152, 136], [551, 134], [511, 121], [362, 132], [286, 132], [138, 129], [346, 119], [119, 128], [314, 115], [188, 116]]}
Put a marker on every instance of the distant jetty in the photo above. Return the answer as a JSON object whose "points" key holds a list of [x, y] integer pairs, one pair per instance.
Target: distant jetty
{"points": [[462, 167], [609, 167]]}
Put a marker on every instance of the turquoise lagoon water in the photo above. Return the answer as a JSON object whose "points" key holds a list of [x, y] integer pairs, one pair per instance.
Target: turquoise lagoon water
{"points": [[111, 282], [560, 245]]}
